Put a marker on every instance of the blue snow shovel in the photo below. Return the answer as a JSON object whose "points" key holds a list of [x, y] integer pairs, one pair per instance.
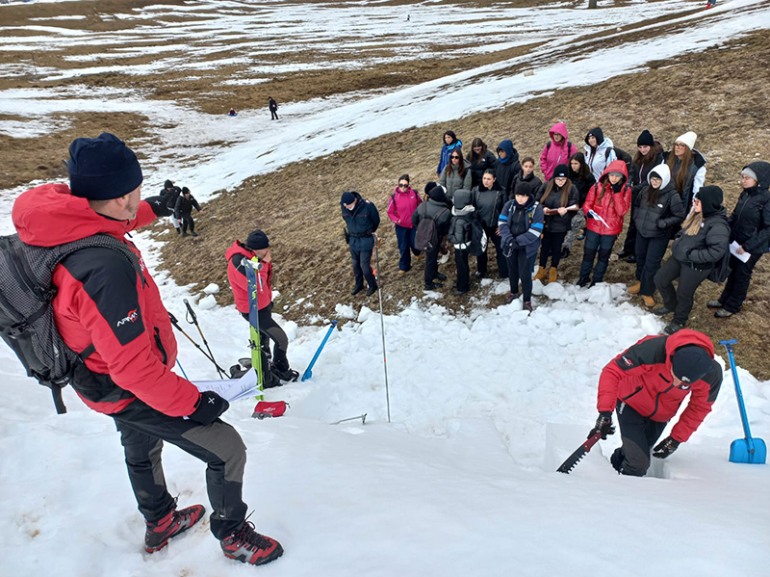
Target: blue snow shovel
{"points": [[309, 370], [748, 450]]}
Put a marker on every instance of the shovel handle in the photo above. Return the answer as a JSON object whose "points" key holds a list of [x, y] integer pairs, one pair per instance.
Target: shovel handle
{"points": [[728, 344]]}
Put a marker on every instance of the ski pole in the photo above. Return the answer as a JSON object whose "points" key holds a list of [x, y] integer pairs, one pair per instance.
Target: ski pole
{"points": [[175, 322], [194, 321], [182, 369], [382, 322]]}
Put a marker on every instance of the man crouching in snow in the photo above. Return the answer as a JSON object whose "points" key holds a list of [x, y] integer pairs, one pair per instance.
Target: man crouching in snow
{"points": [[646, 384], [108, 308]]}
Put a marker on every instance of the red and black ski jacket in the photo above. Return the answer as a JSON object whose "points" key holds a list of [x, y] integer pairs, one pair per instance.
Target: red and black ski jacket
{"points": [[102, 300], [641, 377], [236, 275]]}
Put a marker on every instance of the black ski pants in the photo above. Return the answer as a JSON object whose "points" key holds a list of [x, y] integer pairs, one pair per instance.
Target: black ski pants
{"points": [[519, 270], [268, 326], [639, 435], [681, 298], [187, 221], [737, 285], [551, 247], [142, 432], [463, 283], [362, 267], [649, 255], [431, 264]]}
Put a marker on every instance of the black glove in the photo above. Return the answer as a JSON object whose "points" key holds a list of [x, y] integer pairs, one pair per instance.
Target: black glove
{"points": [[158, 206], [346, 234], [210, 406], [665, 447], [603, 425]]}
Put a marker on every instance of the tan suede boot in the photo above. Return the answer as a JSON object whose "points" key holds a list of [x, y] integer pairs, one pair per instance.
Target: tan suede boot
{"points": [[634, 288], [553, 274], [540, 274], [649, 302]]}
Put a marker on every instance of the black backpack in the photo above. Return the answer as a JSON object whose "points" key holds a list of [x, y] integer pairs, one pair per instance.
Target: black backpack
{"points": [[426, 236], [26, 312], [620, 154]]}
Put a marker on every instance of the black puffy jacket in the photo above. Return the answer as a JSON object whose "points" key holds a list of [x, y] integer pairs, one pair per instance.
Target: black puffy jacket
{"points": [[750, 221], [705, 249], [659, 219]]}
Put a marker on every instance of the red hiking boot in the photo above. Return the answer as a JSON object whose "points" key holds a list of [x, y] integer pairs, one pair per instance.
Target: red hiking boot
{"points": [[248, 546], [176, 522]]}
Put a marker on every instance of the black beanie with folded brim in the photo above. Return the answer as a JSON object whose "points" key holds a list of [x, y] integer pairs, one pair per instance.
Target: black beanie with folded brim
{"points": [[102, 168], [711, 198]]}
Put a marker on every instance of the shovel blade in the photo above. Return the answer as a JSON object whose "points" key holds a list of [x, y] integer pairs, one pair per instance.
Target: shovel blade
{"points": [[743, 451]]}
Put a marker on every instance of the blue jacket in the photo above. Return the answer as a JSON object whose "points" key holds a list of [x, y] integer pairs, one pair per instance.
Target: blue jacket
{"points": [[521, 226], [446, 150], [361, 222]]}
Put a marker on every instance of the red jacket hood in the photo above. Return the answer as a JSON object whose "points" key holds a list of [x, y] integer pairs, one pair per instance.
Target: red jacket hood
{"points": [[615, 166], [50, 215], [686, 337]]}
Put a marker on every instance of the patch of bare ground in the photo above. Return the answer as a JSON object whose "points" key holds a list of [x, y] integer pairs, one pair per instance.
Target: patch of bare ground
{"points": [[718, 94]]}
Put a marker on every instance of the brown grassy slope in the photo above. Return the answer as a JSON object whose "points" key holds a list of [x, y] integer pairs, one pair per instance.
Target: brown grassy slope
{"points": [[709, 93]]}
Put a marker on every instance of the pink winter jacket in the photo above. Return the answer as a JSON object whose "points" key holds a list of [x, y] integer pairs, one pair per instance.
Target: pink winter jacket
{"points": [[556, 153], [401, 205]]}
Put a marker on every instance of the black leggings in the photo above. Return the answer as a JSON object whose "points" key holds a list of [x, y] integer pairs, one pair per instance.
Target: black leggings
{"points": [[551, 246]]}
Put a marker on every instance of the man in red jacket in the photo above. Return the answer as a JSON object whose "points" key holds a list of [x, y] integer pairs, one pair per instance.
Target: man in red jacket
{"points": [[257, 244], [646, 384], [108, 308]]}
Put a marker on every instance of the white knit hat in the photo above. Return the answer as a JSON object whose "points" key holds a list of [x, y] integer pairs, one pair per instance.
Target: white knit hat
{"points": [[688, 139]]}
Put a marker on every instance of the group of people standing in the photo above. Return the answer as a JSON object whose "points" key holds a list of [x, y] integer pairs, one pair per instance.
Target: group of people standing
{"points": [[583, 195]]}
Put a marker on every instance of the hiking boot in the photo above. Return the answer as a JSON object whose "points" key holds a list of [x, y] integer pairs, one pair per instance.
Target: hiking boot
{"points": [[356, 289], [553, 274], [715, 304], [527, 306], [480, 275], [184, 233], [634, 288], [511, 297], [584, 281], [723, 314], [672, 327], [540, 274], [440, 276], [648, 301], [248, 546], [193, 233], [178, 230], [371, 290], [431, 286], [289, 375], [660, 311], [177, 521]]}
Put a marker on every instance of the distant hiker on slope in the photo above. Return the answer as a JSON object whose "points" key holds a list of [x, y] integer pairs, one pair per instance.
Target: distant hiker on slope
{"points": [[183, 211], [257, 244], [169, 195], [646, 384], [272, 105], [111, 306]]}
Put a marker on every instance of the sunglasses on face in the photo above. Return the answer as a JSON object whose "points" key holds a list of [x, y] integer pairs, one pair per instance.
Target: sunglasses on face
{"points": [[403, 184], [455, 157]]}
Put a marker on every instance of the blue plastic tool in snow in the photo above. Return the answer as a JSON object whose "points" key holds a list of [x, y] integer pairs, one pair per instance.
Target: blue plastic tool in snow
{"points": [[309, 370], [748, 450]]}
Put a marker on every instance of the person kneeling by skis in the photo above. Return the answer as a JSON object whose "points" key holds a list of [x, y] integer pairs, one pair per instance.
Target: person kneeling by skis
{"points": [[646, 384], [257, 244]]}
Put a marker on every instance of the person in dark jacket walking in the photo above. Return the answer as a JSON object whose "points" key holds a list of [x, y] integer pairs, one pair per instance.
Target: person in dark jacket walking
{"points": [[183, 211], [109, 304], [507, 168], [750, 231], [273, 106], [169, 195], [559, 199], [659, 210], [521, 226], [258, 245], [459, 235], [436, 209], [361, 219], [649, 153], [701, 244], [488, 200], [646, 384]]}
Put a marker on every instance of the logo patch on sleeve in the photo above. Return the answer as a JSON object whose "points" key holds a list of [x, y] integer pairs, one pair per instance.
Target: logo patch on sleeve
{"points": [[131, 317], [626, 362]]}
